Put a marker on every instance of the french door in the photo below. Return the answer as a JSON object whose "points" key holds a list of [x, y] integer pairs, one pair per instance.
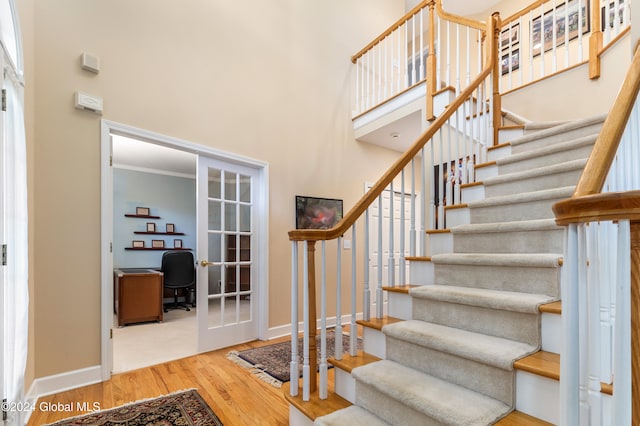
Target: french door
{"points": [[228, 286]]}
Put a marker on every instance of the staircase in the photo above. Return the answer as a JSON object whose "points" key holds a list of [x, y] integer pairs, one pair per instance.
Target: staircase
{"points": [[496, 265]]}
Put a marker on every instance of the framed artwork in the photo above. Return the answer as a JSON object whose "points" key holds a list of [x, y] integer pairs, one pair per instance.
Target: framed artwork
{"points": [[170, 228], [317, 213], [142, 211], [137, 244], [151, 227], [510, 37], [556, 22], [177, 243], [510, 62], [604, 19], [157, 243]]}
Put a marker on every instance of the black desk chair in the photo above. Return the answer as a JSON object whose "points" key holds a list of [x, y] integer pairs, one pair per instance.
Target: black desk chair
{"points": [[179, 272]]}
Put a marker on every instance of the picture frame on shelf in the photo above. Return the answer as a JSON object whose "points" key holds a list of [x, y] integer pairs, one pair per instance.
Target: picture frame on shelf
{"points": [[177, 243], [171, 228], [157, 243], [137, 244], [317, 213], [143, 211], [151, 227]]}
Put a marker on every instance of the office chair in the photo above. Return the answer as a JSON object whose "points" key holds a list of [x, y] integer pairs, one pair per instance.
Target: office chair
{"points": [[179, 272]]}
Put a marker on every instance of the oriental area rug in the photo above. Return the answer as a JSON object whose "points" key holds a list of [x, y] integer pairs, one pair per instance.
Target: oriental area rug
{"points": [[271, 363], [181, 408]]}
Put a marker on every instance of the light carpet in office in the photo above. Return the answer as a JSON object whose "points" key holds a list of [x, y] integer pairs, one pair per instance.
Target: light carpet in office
{"points": [[271, 363], [181, 408]]}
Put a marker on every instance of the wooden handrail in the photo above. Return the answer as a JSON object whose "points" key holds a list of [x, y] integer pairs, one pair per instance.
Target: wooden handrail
{"points": [[595, 172], [356, 211], [608, 206], [438, 3], [391, 29], [479, 25], [532, 6]]}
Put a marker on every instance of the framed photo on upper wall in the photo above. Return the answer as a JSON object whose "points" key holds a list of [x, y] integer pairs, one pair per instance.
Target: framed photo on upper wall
{"points": [[563, 22], [317, 213]]}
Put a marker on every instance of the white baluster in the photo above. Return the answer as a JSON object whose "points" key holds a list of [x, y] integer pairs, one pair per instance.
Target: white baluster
{"points": [[353, 330], [338, 341], [391, 277], [306, 376], [323, 386], [423, 211], [293, 390], [594, 344], [448, 71], [569, 362], [366, 314], [401, 260], [379, 294], [421, 54], [412, 226], [621, 404], [458, 60]]}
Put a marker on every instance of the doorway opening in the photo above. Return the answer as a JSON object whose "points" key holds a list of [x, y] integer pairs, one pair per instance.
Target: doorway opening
{"points": [[157, 198]]}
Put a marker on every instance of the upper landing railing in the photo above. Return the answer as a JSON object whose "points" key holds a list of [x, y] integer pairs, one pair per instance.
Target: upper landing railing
{"points": [[429, 49]]}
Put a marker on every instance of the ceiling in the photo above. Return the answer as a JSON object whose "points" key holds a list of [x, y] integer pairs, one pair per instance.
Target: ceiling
{"points": [[139, 155]]}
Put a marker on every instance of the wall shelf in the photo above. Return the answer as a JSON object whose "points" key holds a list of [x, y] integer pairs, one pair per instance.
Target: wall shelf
{"points": [[139, 216], [158, 233], [156, 248]]}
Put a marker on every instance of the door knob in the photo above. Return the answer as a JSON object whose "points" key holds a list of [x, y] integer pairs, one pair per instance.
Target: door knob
{"points": [[206, 263]]}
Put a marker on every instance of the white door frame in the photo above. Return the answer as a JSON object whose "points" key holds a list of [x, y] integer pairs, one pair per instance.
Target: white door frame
{"points": [[106, 234]]}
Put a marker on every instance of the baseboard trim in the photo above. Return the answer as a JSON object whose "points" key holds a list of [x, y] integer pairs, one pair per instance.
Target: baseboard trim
{"points": [[285, 330], [49, 385]]}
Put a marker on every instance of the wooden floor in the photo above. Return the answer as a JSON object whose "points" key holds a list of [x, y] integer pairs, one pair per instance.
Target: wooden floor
{"points": [[231, 391]]}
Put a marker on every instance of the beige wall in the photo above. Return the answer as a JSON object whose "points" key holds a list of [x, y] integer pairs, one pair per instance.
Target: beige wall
{"points": [[268, 80]]}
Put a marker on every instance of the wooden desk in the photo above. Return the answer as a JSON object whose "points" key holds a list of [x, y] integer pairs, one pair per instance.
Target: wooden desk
{"points": [[137, 295]]}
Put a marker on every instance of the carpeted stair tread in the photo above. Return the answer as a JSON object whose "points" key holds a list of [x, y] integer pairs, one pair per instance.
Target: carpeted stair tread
{"points": [[485, 298], [530, 260], [500, 227], [489, 350], [545, 194], [350, 416], [536, 172], [424, 393], [548, 150], [560, 129]]}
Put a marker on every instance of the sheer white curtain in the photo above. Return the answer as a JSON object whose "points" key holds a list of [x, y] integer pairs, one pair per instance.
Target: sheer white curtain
{"points": [[15, 236]]}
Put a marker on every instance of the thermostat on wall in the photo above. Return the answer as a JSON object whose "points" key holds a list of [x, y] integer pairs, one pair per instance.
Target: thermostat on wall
{"points": [[88, 102]]}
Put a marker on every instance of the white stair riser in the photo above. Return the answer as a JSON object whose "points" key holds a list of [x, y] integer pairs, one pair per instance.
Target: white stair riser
{"points": [[388, 409], [400, 305], [483, 173], [441, 242], [297, 418], [498, 153], [345, 385], [456, 217], [473, 193], [538, 396], [441, 100], [507, 135], [374, 342], [551, 325]]}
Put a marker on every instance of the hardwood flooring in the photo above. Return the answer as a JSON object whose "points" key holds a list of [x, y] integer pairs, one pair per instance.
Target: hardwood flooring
{"points": [[231, 391]]}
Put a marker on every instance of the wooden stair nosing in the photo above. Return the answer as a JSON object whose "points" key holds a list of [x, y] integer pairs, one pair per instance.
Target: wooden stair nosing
{"points": [[487, 164], [456, 206], [348, 362], [378, 323], [315, 407], [512, 127], [400, 288], [516, 418], [438, 231], [471, 184], [501, 145], [551, 308], [418, 258]]}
